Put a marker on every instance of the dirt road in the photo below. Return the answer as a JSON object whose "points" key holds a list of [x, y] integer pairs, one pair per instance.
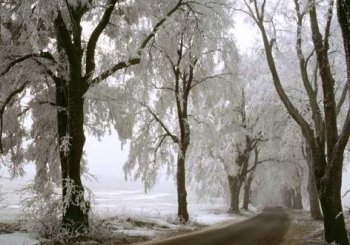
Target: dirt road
{"points": [[267, 228]]}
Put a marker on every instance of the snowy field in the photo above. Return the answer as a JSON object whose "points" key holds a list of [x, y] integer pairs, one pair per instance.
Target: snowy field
{"points": [[123, 201]]}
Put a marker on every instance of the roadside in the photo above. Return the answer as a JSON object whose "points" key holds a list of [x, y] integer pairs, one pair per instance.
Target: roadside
{"points": [[120, 216], [267, 227], [303, 230], [123, 229]]}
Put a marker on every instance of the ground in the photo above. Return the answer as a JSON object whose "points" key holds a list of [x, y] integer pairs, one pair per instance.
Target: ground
{"points": [[128, 215], [302, 229], [116, 230], [124, 215]]}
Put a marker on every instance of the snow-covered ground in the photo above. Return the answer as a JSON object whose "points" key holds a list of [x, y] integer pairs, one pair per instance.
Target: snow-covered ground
{"points": [[125, 202], [156, 204], [17, 238]]}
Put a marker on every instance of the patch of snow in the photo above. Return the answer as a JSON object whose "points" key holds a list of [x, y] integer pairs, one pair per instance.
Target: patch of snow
{"points": [[211, 219], [17, 238], [253, 208], [141, 232], [156, 209]]}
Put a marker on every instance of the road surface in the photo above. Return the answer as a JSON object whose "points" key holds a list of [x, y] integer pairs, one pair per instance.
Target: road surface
{"points": [[267, 228]]}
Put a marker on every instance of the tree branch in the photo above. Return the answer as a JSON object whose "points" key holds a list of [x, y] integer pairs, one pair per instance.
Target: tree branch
{"points": [[312, 95], [45, 55], [91, 46], [328, 24], [343, 8], [158, 25], [63, 35], [115, 68], [136, 60], [306, 129], [3, 107], [162, 124], [327, 80], [342, 97]]}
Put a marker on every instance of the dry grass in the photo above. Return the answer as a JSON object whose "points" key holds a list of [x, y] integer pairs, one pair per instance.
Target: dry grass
{"points": [[6, 228]]}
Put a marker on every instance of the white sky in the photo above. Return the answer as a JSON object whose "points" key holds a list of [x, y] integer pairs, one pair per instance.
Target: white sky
{"points": [[246, 35]]}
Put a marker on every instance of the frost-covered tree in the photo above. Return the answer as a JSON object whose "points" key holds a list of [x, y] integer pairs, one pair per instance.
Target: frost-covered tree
{"points": [[67, 41], [12, 90], [238, 122], [190, 63], [238, 168], [326, 140]]}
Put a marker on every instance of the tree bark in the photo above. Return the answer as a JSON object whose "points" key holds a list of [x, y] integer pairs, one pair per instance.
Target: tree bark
{"points": [[236, 181], [330, 198], [70, 121], [77, 208], [314, 202], [315, 209], [182, 212], [71, 138], [333, 220], [235, 188], [247, 185]]}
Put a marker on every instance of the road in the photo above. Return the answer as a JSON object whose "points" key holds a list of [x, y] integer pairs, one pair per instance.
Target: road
{"points": [[267, 228]]}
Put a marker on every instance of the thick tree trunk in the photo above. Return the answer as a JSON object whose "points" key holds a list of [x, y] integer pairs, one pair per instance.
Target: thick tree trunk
{"points": [[71, 140], [330, 198], [235, 187], [182, 212], [247, 192], [329, 189], [333, 220], [75, 217], [235, 182], [70, 120]]}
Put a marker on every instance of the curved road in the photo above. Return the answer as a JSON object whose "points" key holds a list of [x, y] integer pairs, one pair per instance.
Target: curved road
{"points": [[267, 228]]}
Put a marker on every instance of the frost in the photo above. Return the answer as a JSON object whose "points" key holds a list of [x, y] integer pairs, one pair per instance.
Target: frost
{"points": [[65, 144], [338, 215]]}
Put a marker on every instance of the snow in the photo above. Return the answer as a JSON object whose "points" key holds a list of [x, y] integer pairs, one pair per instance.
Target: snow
{"points": [[122, 203], [17, 238], [211, 219]]}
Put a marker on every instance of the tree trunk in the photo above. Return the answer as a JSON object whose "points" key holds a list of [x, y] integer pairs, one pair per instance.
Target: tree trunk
{"points": [[297, 199], [70, 120], [235, 187], [182, 212], [287, 198], [333, 220], [315, 209], [72, 140], [330, 198], [247, 192]]}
